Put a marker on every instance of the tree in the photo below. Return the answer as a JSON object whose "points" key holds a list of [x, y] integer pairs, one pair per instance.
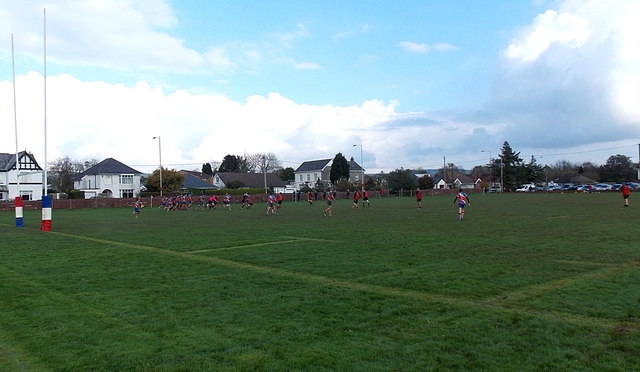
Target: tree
{"points": [[206, 168], [262, 162], [370, 184], [481, 171], [234, 163], [343, 184], [533, 172], [287, 174], [590, 170], [425, 182], [617, 168], [61, 172], [171, 180], [511, 164], [401, 179], [339, 168]]}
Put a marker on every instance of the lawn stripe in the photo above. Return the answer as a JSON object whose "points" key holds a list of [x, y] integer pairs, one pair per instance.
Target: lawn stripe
{"points": [[290, 240], [587, 263], [540, 289], [490, 306]]}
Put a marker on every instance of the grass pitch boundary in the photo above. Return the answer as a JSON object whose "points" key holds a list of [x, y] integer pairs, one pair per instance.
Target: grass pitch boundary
{"points": [[493, 305], [290, 239]]}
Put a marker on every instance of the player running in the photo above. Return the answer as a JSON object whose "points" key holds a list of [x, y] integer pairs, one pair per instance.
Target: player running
{"points": [[626, 192], [271, 204], [226, 201], [137, 205], [330, 199], [279, 199], [356, 198], [463, 199], [419, 197]]}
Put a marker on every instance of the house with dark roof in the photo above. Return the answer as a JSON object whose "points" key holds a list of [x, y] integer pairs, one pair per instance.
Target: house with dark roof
{"points": [[109, 178], [312, 171], [196, 181], [455, 180], [28, 174], [249, 180]]}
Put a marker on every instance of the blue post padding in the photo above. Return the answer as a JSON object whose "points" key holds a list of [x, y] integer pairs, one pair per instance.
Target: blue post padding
{"points": [[18, 221], [46, 201]]}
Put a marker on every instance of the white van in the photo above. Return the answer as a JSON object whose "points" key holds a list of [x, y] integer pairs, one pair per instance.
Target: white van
{"points": [[527, 188]]}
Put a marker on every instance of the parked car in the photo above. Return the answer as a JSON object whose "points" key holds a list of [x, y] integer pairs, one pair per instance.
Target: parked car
{"points": [[493, 189], [584, 188], [616, 187], [633, 185], [553, 187], [602, 187], [527, 188], [568, 186]]}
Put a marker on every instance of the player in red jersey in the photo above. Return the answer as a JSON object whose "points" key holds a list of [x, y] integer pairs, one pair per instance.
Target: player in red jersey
{"points": [[626, 192], [356, 198], [365, 198], [279, 199], [419, 197], [330, 199]]}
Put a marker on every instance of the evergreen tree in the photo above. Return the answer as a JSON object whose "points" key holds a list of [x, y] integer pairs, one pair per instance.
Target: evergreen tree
{"points": [[339, 168], [533, 172], [511, 164], [206, 168], [233, 163], [287, 174]]}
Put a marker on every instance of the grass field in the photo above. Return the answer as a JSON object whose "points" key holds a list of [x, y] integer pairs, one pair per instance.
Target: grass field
{"points": [[526, 282]]}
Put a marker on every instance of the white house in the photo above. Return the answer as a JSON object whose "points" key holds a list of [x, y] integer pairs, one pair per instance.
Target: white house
{"points": [[28, 175], [109, 178], [310, 172]]}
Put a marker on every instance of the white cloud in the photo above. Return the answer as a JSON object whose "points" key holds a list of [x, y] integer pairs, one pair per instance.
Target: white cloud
{"points": [[573, 78], [99, 120], [347, 34], [548, 28], [122, 35], [306, 65], [422, 48], [413, 47], [287, 39]]}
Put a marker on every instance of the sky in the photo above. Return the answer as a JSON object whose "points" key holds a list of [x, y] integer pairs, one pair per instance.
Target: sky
{"points": [[411, 84]]}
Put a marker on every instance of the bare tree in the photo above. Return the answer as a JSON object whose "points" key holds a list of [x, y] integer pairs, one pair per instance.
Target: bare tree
{"points": [[62, 171], [262, 162]]}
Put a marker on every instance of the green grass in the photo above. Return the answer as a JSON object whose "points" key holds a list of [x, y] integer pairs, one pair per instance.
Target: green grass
{"points": [[526, 282]]}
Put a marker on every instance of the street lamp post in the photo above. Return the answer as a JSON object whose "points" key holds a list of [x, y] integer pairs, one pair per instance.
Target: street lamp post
{"points": [[361, 165], [501, 175], [160, 159]]}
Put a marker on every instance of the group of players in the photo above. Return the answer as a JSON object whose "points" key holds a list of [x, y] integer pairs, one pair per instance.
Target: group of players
{"points": [[274, 202]]}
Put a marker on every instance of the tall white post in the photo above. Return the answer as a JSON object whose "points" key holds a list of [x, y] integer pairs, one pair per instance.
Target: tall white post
{"points": [[160, 159]]}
